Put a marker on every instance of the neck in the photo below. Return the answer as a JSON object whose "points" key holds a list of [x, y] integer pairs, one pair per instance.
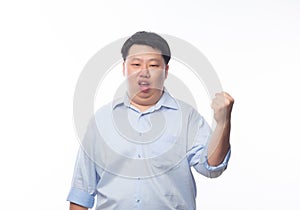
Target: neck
{"points": [[140, 107], [145, 103]]}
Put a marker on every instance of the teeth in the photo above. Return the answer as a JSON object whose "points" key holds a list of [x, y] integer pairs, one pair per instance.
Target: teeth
{"points": [[143, 83]]}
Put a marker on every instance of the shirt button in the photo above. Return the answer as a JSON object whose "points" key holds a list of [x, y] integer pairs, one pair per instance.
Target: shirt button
{"points": [[138, 200], [139, 156]]}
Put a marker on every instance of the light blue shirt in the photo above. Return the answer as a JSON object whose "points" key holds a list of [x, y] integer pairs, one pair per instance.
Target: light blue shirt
{"points": [[142, 160]]}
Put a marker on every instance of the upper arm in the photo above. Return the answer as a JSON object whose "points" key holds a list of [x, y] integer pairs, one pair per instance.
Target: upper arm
{"points": [[86, 173]]}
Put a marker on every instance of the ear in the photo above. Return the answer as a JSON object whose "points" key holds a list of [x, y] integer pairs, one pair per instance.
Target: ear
{"points": [[166, 71], [124, 68]]}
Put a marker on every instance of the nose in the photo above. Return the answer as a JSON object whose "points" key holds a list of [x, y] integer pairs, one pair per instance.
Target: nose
{"points": [[144, 73]]}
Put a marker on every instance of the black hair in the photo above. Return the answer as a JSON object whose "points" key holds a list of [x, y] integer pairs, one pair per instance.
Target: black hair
{"points": [[150, 39]]}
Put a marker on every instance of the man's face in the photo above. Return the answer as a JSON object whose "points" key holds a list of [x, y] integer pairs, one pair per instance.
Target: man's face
{"points": [[145, 72]]}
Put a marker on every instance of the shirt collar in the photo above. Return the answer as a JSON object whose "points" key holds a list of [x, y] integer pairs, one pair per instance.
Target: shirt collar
{"points": [[166, 100]]}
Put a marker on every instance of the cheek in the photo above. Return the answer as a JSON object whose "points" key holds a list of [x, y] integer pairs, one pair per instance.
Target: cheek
{"points": [[158, 76], [131, 76], [128, 72]]}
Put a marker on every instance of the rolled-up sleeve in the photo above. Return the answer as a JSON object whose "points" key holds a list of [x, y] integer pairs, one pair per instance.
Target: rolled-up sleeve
{"points": [[86, 174], [84, 184], [81, 198], [212, 171], [199, 135]]}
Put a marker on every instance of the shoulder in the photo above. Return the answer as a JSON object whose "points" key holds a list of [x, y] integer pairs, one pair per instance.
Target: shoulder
{"points": [[107, 109], [189, 113], [185, 107], [104, 110]]}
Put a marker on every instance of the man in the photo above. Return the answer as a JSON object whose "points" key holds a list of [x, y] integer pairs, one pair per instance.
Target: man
{"points": [[144, 162]]}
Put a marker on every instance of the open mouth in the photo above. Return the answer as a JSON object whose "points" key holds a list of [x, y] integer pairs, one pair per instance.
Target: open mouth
{"points": [[144, 86]]}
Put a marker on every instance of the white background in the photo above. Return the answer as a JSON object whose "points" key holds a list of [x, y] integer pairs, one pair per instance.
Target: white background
{"points": [[254, 47]]}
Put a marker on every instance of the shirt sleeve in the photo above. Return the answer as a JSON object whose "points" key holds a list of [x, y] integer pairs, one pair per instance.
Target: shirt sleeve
{"points": [[84, 183], [85, 177], [212, 171], [199, 135]]}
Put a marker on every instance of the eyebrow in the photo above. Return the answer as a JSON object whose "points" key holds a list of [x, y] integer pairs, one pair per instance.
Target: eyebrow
{"points": [[154, 59], [133, 59], [139, 59]]}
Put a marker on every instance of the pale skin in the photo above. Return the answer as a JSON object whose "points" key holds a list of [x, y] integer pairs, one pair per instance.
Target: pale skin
{"points": [[146, 72], [219, 143]]}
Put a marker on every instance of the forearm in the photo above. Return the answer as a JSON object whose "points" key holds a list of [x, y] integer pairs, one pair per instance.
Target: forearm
{"points": [[74, 206], [219, 144]]}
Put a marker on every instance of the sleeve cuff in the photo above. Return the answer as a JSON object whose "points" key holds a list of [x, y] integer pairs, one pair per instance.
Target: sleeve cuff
{"points": [[215, 171], [81, 198], [212, 171], [221, 165]]}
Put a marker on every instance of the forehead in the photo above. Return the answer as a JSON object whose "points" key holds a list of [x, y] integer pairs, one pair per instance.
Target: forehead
{"points": [[136, 51]]}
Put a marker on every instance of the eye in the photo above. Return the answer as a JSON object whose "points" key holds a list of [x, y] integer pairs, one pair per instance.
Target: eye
{"points": [[154, 65], [135, 64]]}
